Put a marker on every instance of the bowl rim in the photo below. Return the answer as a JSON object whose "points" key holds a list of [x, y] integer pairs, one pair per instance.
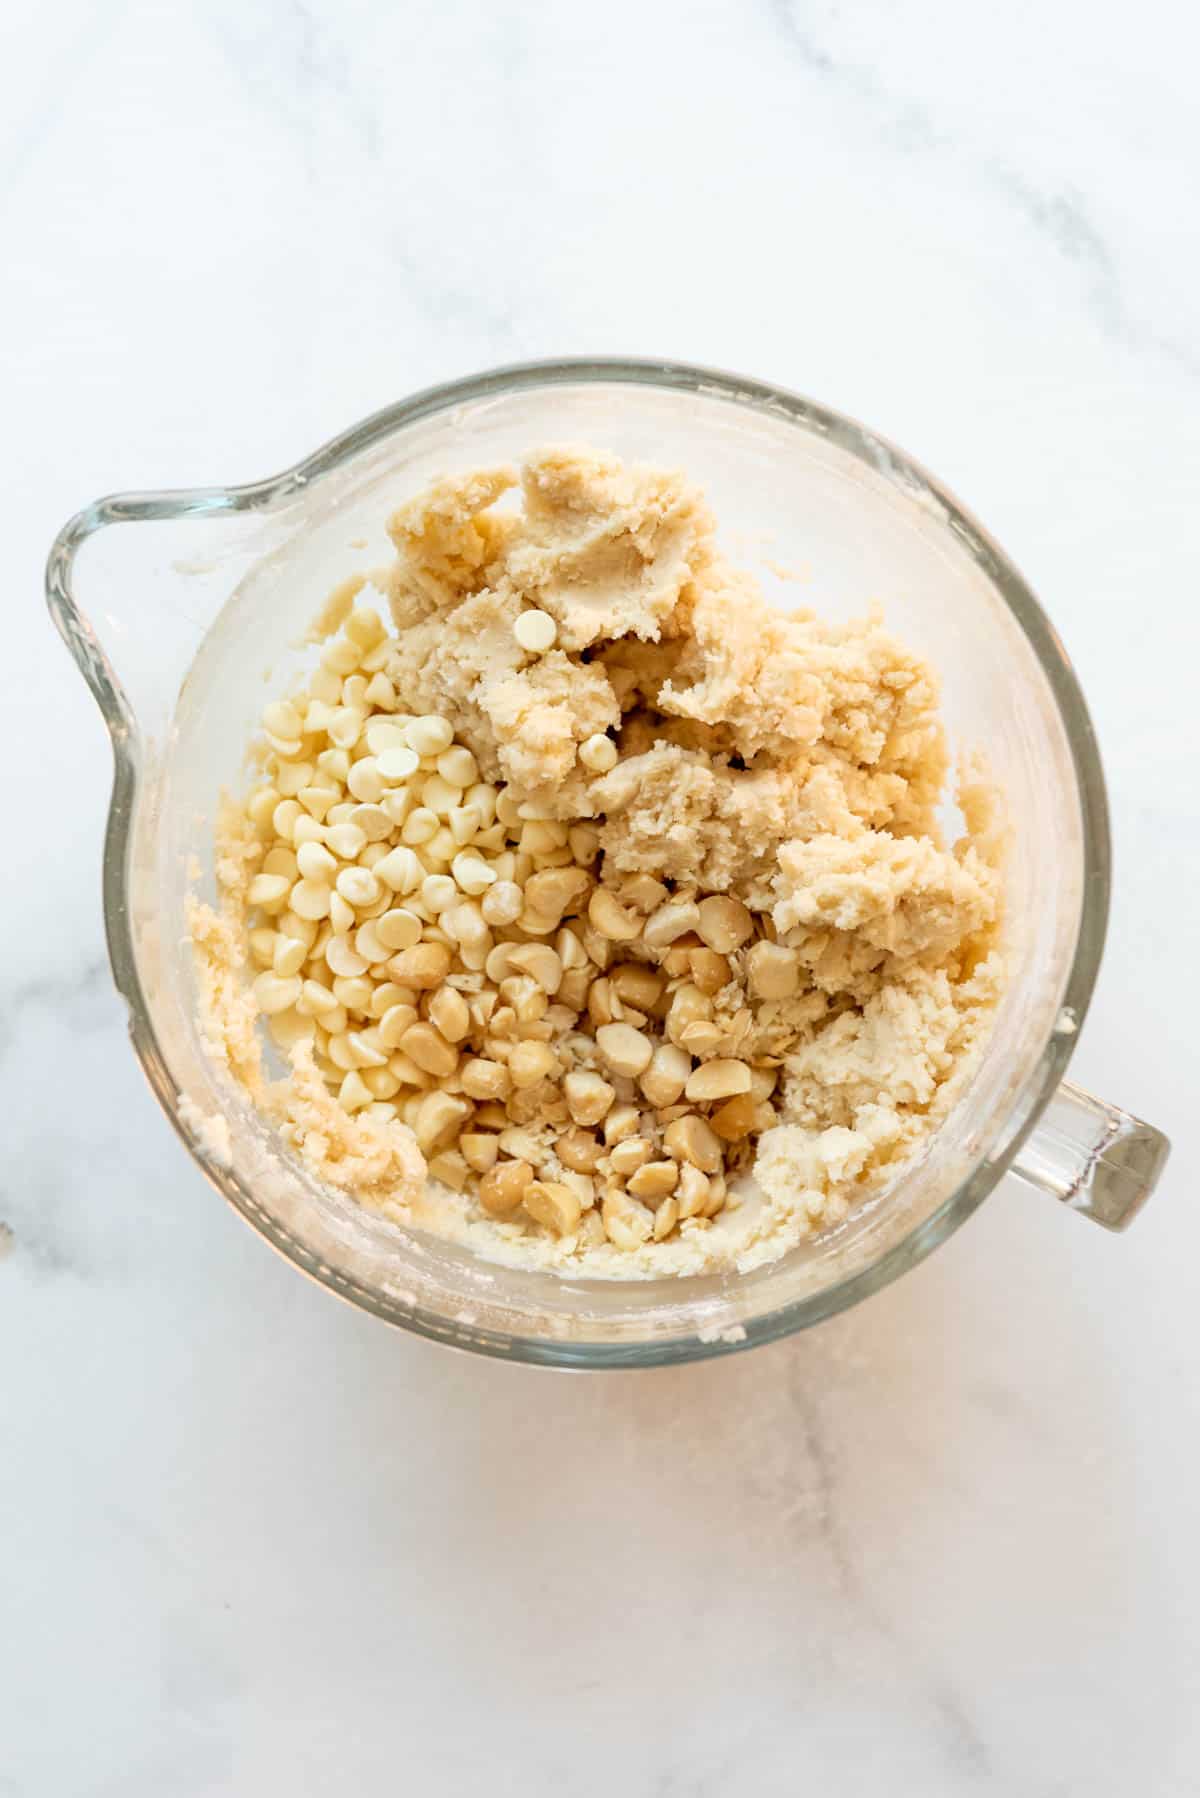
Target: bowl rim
{"points": [[878, 453]]}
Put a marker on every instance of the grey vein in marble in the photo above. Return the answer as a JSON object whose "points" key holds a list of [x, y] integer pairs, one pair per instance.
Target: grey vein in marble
{"points": [[1058, 216]]}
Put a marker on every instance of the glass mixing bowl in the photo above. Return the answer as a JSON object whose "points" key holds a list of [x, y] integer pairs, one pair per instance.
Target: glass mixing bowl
{"points": [[198, 595]]}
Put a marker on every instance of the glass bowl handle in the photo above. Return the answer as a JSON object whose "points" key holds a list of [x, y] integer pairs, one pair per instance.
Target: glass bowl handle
{"points": [[144, 596], [1099, 1160]]}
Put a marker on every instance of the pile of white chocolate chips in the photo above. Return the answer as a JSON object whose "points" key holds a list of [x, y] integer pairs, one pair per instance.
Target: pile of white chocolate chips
{"points": [[578, 883]]}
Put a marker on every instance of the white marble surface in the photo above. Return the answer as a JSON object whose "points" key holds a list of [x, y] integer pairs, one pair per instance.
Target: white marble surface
{"points": [[252, 1542]]}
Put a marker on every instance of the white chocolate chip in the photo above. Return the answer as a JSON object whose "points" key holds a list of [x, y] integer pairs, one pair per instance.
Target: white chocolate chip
{"points": [[346, 840], [310, 899], [358, 887], [341, 912], [400, 869], [342, 958], [288, 956], [384, 733], [268, 890], [439, 797], [365, 780], [535, 631], [438, 892], [419, 826], [464, 822], [472, 873], [458, 766], [599, 753], [276, 993], [396, 764], [282, 719], [398, 929], [373, 821], [429, 735]]}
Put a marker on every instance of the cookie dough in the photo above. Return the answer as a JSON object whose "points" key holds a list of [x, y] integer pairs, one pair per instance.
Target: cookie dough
{"points": [[600, 910]]}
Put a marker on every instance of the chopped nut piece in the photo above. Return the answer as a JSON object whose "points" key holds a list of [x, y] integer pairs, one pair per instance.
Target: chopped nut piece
{"points": [[531, 1063], [654, 1180], [583, 1186], [599, 948], [665, 1218], [503, 1189], [450, 1169], [643, 892], [502, 903], [630, 1154], [691, 1139], [448, 1010], [689, 1006], [490, 1116], [425, 1045], [540, 962], [626, 1223], [591, 1230], [612, 919], [484, 1079], [677, 962], [578, 1150], [717, 1199], [588, 1097], [424, 967], [736, 1118], [774, 971], [638, 985], [672, 920], [692, 1191], [573, 988], [664, 1080], [554, 1204], [549, 895], [717, 1080], [526, 997], [763, 1082], [622, 1121], [478, 1150], [725, 924], [701, 1038], [625, 1049], [439, 1119], [584, 843], [569, 948], [603, 1005], [710, 971]]}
